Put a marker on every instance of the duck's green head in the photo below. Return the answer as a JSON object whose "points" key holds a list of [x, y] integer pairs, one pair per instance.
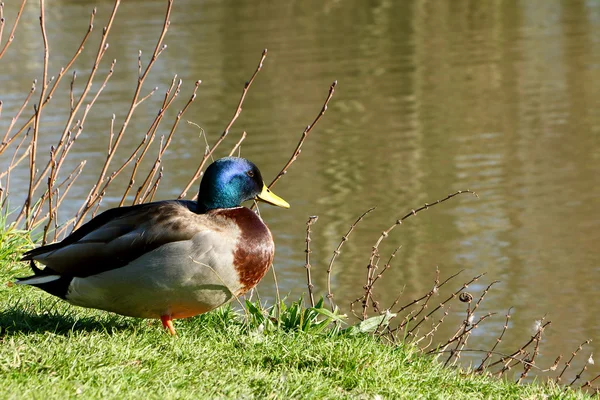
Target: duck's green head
{"points": [[230, 181]]}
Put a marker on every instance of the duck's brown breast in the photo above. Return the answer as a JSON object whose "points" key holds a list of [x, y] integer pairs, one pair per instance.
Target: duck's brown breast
{"points": [[254, 250]]}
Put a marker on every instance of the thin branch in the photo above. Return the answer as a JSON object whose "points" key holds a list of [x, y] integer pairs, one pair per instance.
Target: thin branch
{"points": [[568, 363], [96, 189], [11, 36], [7, 141], [481, 366], [238, 144], [36, 125], [521, 349], [337, 252], [236, 114], [375, 251], [304, 135], [163, 148], [531, 361], [62, 72], [311, 220]]}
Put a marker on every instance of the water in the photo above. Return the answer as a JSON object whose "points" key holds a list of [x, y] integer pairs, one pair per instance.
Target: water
{"points": [[497, 97]]}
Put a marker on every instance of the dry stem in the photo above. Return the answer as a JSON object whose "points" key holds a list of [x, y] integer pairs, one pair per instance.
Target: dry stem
{"points": [[311, 220], [236, 114]]}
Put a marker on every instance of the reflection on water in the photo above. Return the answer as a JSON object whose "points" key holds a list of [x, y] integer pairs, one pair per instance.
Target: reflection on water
{"points": [[498, 97]]}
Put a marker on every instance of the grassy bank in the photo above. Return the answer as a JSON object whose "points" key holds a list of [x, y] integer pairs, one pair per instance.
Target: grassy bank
{"points": [[52, 350]]}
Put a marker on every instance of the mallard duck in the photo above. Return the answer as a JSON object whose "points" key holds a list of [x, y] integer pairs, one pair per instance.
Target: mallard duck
{"points": [[168, 259]]}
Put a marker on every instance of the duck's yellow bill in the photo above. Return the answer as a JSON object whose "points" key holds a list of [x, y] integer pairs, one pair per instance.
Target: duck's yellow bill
{"points": [[269, 197]]}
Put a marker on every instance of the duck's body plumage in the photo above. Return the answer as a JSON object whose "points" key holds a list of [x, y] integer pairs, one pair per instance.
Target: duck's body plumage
{"points": [[168, 259]]}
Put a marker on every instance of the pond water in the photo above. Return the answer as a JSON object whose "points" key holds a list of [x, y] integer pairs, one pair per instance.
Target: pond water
{"points": [[499, 97]]}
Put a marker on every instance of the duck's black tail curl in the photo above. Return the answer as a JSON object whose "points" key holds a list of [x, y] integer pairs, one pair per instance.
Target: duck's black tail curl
{"points": [[47, 280]]}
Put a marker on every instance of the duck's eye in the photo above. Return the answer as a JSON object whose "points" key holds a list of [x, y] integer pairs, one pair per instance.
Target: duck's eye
{"points": [[250, 174]]}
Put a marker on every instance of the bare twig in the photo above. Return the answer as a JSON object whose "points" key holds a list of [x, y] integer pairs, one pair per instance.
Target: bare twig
{"points": [[462, 338], [531, 361], [94, 196], [311, 220], [236, 114], [63, 71], [101, 51], [337, 252], [304, 135], [590, 360], [36, 125], [568, 363], [7, 141], [371, 267], [11, 36], [589, 383], [163, 148], [481, 366], [521, 350], [432, 331], [238, 144]]}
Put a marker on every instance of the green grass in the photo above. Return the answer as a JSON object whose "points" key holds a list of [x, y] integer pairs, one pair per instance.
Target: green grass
{"points": [[50, 350]]}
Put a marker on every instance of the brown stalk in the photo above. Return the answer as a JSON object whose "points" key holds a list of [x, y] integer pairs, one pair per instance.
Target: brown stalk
{"points": [[163, 148], [38, 114], [589, 383], [568, 363], [463, 338], [236, 114], [464, 335], [304, 135], [337, 252], [146, 140], [512, 362], [521, 349], [555, 365], [69, 181], [13, 164], [59, 78], [150, 195], [432, 331], [96, 189], [11, 36], [416, 301], [443, 303], [371, 267], [141, 198], [238, 144], [578, 376], [6, 141], [14, 161], [413, 315], [387, 266], [72, 92], [51, 211], [481, 366], [65, 143], [311, 220], [100, 54], [505, 356], [527, 367]]}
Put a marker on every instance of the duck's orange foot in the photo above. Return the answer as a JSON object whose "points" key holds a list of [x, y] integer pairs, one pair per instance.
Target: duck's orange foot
{"points": [[167, 322]]}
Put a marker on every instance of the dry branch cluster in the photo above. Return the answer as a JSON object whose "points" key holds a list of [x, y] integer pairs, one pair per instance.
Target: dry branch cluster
{"points": [[48, 186], [414, 323]]}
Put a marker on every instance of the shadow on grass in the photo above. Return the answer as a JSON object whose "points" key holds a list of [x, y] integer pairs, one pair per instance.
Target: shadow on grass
{"points": [[15, 321]]}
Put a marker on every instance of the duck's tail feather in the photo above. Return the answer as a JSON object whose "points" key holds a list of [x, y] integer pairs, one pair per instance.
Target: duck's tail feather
{"points": [[47, 280]]}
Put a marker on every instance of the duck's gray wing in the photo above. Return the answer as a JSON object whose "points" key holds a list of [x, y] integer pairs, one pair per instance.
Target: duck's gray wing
{"points": [[118, 236]]}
